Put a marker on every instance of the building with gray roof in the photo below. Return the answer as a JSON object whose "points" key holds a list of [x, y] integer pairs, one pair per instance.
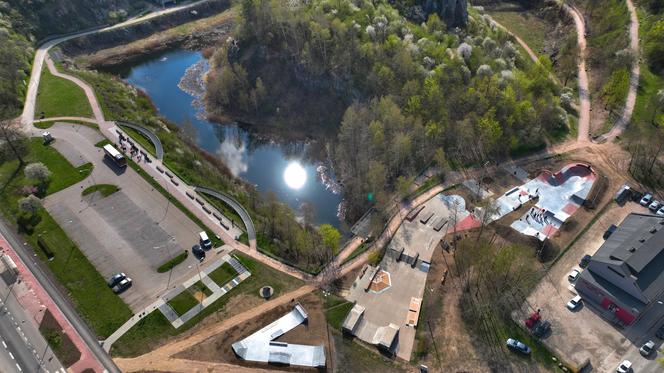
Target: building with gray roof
{"points": [[261, 346], [625, 277]]}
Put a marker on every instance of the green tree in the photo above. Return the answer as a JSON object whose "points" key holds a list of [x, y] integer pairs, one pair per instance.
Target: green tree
{"points": [[331, 236]]}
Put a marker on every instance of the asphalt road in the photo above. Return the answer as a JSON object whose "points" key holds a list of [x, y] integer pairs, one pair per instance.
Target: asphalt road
{"points": [[67, 309], [16, 356]]}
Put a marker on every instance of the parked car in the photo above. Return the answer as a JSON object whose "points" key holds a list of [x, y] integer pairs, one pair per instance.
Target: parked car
{"points": [[624, 367], [542, 329], [116, 279], [654, 206], [660, 332], [204, 241], [122, 285], [645, 201], [198, 252], [585, 261], [647, 348], [660, 212], [574, 275], [518, 346], [609, 231], [574, 303]]}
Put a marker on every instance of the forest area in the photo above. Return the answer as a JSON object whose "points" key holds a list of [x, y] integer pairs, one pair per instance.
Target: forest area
{"points": [[407, 95]]}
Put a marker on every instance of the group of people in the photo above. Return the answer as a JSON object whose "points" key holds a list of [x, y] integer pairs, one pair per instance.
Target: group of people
{"points": [[133, 150]]}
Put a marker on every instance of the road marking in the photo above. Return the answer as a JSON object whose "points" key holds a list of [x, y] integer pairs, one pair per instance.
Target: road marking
{"points": [[19, 367], [4, 344], [11, 355]]}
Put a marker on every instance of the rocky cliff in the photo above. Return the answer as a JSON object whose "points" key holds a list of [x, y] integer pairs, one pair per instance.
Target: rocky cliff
{"points": [[453, 12]]}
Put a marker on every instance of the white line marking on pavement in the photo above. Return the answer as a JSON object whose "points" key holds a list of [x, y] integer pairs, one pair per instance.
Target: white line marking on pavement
{"points": [[4, 344], [19, 367], [11, 355]]}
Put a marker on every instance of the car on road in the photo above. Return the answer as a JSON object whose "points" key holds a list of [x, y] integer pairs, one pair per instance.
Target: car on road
{"points": [[122, 285], [645, 201], [518, 346], [116, 279], [198, 252], [585, 261], [573, 275], [609, 231], [647, 348], [624, 367], [574, 303]]}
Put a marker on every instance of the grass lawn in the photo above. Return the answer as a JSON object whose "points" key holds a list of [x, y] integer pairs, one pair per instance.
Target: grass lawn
{"points": [[59, 97], [139, 138], [95, 302], [223, 274], [105, 189], [523, 24], [49, 123], [336, 309], [154, 328], [183, 302], [200, 287], [173, 262], [103, 142]]}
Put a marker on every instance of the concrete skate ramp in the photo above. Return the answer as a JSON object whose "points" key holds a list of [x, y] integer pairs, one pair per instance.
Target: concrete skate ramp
{"points": [[260, 346]]}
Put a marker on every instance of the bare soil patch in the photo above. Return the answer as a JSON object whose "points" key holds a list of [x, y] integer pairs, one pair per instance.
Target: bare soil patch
{"points": [[314, 332], [62, 346]]}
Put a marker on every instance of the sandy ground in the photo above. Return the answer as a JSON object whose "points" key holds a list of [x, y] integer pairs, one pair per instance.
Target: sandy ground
{"points": [[314, 332]]}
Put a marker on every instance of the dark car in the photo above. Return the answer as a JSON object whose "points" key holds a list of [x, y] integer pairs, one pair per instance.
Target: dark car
{"points": [[122, 286], [585, 261], [609, 231], [116, 279], [198, 252], [660, 332], [542, 329]]}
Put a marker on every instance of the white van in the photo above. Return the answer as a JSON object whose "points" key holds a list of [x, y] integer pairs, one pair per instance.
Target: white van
{"points": [[205, 242]]}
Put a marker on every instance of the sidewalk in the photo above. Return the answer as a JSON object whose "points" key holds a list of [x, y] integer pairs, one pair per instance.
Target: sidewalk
{"points": [[34, 306]]}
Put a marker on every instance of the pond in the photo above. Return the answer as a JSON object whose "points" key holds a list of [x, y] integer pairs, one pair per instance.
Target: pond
{"points": [[270, 165]]}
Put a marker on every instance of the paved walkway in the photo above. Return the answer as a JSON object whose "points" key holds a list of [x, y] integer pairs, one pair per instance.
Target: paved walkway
{"points": [[158, 148], [239, 209]]}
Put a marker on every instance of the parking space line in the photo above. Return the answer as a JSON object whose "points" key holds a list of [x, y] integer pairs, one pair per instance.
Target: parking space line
{"points": [[11, 355], [4, 344], [19, 367]]}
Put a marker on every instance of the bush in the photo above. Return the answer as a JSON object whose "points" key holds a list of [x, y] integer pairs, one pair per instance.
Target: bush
{"points": [[173, 262], [45, 247], [374, 258]]}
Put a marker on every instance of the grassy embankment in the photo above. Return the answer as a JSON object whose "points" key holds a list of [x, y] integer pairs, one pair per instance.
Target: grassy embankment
{"points": [[336, 309], [169, 264], [154, 329], [59, 97], [49, 123], [524, 24], [103, 310]]}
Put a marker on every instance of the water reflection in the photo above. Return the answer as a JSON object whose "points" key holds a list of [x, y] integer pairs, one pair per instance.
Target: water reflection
{"points": [[257, 159]]}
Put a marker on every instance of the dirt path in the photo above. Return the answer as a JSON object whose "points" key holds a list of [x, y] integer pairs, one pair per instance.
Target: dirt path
{"points": [[635, 75], [160, 359], [584, 93]]}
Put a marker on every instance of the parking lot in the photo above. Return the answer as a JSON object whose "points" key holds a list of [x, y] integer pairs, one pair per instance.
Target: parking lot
{"points": [[133, 230], [583, 335]]}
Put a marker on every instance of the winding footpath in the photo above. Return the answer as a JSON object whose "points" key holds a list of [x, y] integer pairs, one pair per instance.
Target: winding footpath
{"points": [[635, 75], [584, 91]]}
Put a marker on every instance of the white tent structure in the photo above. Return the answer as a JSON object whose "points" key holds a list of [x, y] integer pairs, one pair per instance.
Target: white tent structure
{"points": [[261, 346]]}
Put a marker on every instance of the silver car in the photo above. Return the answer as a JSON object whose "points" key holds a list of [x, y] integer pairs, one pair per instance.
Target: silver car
{"points": [[647, 348], [574, 303]]}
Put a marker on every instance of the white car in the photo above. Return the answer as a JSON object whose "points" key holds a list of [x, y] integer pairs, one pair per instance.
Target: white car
{"points": [[654, 206], [645, 201], [660, 212], [624, 367], [574, 275], [574, 303], [647, 348]]}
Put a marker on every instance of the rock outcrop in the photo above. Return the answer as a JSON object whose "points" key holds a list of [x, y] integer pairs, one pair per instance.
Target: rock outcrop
{"points": [[453, 12]]}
